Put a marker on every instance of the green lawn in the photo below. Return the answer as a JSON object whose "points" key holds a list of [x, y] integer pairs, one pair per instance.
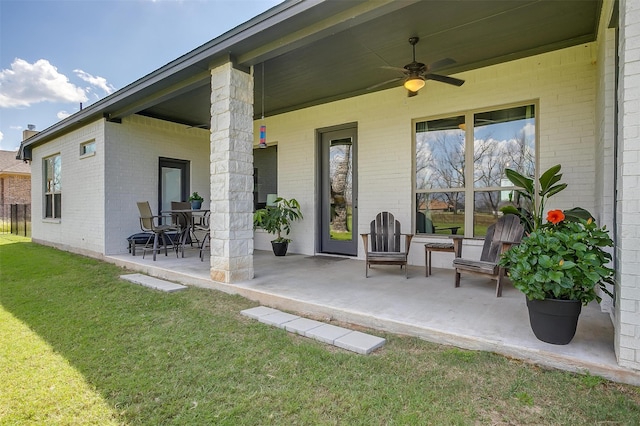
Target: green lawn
{"points": [[80, 346]]}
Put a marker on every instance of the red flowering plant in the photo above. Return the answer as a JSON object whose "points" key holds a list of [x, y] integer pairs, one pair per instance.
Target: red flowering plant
{"points": [[563, 258]]}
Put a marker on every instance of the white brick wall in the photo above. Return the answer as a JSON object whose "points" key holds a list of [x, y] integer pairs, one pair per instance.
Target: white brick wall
{"points": [[79, 229], [563, 82], [133, 150], [627, 338]]}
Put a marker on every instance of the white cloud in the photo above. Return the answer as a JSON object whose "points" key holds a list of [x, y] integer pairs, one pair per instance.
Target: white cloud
{"points": [[1, 136], [26, 84], [99, 82], [62, 114], [529, 130]]}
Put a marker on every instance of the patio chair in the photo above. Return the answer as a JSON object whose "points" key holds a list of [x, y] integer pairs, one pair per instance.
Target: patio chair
{"points": [[203, 225], [153, 225], [507, 231], [385, 243], [184, 222], [424, 225]]}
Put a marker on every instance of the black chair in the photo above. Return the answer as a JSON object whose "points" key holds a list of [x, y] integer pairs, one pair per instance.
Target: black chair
{"points": [[506, 232], [153, 225], [204, 225], [385, 243], [184, 222]]}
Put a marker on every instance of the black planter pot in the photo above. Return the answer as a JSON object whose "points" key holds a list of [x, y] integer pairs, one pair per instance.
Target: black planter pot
{"points": [[279, 248], [554, 321]]}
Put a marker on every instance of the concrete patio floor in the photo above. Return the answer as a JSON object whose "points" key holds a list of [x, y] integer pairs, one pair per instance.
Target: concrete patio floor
{"points": [[471, 317]]}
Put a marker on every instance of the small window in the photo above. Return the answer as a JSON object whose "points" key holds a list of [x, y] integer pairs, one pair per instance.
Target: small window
{"points": [[52, 187], [87, 149]]}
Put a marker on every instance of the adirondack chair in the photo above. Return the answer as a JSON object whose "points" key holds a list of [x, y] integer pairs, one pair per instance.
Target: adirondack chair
{"points": [[424, 225], [385, 243], [506, 232]]}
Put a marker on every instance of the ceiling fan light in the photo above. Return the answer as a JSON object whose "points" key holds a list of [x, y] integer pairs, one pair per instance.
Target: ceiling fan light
{"points": [[415, 83]]}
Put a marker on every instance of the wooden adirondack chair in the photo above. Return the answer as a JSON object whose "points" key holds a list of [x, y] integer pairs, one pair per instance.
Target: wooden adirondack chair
{"points": [[385, 243], [506, 232]]}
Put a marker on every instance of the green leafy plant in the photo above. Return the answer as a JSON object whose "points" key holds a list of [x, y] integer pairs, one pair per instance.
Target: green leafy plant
{"points": [[563, 258], [277, 219], [195, 197], [530, 200]]}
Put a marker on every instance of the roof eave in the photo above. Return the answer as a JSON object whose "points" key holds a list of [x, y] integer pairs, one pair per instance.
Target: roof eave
{"points": [[208, 53]]}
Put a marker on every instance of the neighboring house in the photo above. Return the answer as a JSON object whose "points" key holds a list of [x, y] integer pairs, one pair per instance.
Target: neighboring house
{"points": [[547, 82], [15, 179]]}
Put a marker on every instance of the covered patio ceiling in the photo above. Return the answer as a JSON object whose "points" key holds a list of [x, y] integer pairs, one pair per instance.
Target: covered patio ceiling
{"points": [[336, 49]]}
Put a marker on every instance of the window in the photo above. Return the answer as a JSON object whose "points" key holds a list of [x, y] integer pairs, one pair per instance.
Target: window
{"points": [[265, 175], [87, 149], [446, 200], [52, 187]]}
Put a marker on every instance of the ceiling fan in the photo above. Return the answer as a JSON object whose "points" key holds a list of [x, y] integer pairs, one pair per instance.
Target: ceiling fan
{"points": [[416, 73]]}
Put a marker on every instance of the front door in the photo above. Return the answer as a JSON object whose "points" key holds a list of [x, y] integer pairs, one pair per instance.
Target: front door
{"points": [[339, 210], [173, 181]]}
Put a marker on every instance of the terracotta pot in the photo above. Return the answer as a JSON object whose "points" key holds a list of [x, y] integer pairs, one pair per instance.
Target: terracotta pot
{"points": [[554, 321]]}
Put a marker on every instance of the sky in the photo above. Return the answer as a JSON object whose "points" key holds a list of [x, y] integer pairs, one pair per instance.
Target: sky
{"points": [[56, 54]]}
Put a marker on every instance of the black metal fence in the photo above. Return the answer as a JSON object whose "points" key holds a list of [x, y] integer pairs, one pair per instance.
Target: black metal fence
{"points": [[15, 219]]}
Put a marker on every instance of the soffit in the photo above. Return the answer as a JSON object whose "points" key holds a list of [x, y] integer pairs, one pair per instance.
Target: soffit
{"points": [[347, 62]]}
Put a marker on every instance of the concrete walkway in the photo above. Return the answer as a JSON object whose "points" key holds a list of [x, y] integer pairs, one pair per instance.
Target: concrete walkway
{"points": [[154, 283], [341, 337], [431, 308]]}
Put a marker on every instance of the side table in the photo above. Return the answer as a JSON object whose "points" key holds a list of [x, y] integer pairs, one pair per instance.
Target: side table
{"points": [[454, 247]]}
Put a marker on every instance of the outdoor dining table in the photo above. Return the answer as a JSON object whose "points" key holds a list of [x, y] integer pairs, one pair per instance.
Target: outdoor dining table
{"points": [[191, 223]]}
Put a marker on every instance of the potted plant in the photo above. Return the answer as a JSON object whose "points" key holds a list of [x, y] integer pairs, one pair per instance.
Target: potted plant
{"points": [[196, 201], [276, 219], [560, 264]]}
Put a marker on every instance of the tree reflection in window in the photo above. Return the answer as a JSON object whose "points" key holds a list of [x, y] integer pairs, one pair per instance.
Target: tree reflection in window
{"points": [[499, 139]]}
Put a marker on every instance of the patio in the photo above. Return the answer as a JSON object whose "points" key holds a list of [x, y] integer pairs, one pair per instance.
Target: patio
{"points": [[333, 288]]}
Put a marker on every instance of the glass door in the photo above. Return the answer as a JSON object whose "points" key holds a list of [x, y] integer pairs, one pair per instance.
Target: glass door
{"points": [[174, 182], [338, 188]]}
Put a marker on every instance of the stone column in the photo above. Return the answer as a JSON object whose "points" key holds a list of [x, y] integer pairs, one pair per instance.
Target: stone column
{"points": [[231, 175]]}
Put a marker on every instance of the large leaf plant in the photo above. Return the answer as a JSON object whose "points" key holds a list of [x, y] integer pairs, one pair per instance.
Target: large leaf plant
{"points": [[562, 258], [277, 219]]}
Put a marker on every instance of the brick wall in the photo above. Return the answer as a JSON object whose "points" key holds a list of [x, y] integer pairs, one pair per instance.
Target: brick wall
{"points": [[132, 152], [82, 178], [563, 83], [628, 205], [99, 204], [15, 189]]}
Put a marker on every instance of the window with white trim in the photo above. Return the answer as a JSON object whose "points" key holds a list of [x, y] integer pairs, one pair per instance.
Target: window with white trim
{"points": [[52, 187], [88, 149], [452, 198]]}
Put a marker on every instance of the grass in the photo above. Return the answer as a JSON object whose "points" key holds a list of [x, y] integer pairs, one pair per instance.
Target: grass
{"points": [[80, 346]]}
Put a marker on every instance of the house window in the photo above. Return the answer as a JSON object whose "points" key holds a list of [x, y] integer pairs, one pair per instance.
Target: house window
{"points": [[265, 175], [452, 197], [88, 149], [52, 187]]}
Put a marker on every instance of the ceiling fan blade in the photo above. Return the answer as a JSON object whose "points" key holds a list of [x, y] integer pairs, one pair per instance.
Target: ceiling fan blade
{"points": [[440, 64], [384, 83], [387, 67], [444, 79]]}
